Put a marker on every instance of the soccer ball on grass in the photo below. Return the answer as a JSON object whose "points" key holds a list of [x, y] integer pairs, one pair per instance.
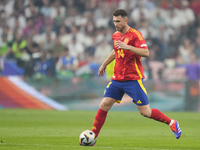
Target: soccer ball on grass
{"points": [[87, 138]]}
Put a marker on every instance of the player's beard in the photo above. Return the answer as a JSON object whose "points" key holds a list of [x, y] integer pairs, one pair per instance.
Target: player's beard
{"points": [[120, 29]]}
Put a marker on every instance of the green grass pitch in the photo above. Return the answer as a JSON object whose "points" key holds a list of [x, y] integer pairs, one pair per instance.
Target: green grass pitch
{"points": [[22, 129]]}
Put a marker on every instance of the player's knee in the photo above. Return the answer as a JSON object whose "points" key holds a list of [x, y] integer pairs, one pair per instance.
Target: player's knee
{"points": [[145, 113], [105, 106]]}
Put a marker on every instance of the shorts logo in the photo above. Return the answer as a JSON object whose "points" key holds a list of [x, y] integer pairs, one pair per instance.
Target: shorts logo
{"points": [[139, 102]]}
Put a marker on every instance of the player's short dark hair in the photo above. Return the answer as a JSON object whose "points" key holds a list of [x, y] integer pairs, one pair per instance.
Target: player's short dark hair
{"points": [[120, 12]]}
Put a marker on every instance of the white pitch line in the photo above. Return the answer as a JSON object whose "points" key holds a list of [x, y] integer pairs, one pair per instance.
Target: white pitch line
{"points": [[102, 147]]}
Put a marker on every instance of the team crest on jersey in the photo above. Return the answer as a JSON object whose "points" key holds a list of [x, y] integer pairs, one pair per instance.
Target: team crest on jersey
{"points": [[126, 40]]}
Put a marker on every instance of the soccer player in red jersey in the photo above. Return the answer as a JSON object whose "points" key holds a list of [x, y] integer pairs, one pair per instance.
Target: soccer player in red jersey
{"points": [[129, 46]]}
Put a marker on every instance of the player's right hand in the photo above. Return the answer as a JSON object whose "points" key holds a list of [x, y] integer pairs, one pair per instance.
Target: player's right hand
{"points": [[102, 71]]}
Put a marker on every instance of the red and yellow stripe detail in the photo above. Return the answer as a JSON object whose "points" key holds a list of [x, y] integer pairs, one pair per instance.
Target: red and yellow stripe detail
{"points": [[137, 33]]}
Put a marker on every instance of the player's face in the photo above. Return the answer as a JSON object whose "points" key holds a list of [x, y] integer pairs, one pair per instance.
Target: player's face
{"points": [[120, 23]]}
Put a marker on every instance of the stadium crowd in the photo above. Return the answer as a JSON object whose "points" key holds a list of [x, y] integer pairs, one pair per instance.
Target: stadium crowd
{"points": [[73, 37]]}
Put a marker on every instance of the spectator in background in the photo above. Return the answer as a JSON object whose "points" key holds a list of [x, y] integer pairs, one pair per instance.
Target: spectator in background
{"points": [[76, 49], [45, 64], [195, 5], [172, 20], [70, 20], [48, 23], [150, 5], [65, 19], [198, 32], [5, 47], [78, 34], [32, 47], [48, 31], [57, 49], [197, 48], [31, 11], [58, 11], [16, 21], [157, 19], [143, 24], [22, 54], [184, 50], [66, 64], [29, 27], [3, 22], [154, 47], [91, 49], [136, 13], [19, 6], [197, 21], [46, 9], [186, 14], [49, 43], [102, 21], [165, 4], [51, 72], [87, 68], [18, 47], [173, 46], [192, 84], [102, 51], [163, 36], [64, 37], [9, 32]]}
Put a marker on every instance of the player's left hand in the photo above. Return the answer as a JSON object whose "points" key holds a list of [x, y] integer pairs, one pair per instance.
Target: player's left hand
{"points": [[121, 45], [102, 71]]}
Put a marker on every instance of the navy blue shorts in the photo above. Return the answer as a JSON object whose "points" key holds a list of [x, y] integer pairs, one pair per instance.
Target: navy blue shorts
{"points": [[134, 88]]}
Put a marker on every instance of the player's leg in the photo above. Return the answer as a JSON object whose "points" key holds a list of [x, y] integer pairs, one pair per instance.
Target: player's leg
{"points": [[139, 95], [107, 103], [156, 114], [112, 94], [144, 110], [101, 114]]}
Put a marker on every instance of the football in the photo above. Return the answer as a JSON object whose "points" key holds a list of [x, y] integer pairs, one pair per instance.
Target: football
{"points": [[87, 138]]}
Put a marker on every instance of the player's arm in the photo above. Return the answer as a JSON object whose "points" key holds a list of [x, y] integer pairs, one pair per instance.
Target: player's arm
{"points": [[139, 51], [108, 60]]}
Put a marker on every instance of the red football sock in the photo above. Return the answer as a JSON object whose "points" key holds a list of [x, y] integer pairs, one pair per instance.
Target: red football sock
{"points": [[99, 121], [159, 116]]}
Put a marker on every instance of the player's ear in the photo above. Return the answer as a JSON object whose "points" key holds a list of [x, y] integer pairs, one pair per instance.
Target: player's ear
{"points": [[126, 20]]}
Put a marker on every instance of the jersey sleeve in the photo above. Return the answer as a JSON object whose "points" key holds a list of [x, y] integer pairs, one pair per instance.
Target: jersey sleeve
{"points": [[139, 41]]}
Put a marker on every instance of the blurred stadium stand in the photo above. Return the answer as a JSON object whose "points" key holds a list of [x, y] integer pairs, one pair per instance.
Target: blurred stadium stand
{"points": [[60, 40]]}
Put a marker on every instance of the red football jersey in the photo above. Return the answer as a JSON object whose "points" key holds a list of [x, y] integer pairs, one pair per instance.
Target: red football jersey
{"points": [[128, 65]]}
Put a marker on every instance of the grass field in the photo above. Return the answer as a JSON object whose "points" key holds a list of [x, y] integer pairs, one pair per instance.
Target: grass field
{"points": [[22, 129]]}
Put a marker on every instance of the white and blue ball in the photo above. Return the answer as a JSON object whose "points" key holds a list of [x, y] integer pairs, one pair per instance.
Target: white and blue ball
{"points": [[87, 138]]}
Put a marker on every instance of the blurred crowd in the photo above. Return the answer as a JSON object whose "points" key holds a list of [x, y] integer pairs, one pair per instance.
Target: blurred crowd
{"points": [[73, 37]]}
